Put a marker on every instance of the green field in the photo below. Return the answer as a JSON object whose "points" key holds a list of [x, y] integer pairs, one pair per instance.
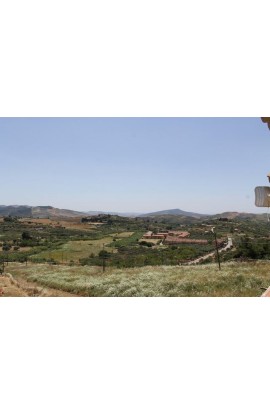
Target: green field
{"points": [[234, 279], [76, 250]]}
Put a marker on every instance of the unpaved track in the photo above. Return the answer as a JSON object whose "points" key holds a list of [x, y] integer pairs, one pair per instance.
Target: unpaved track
{"points": [[19, 287], [228, 246], [9, 289]]}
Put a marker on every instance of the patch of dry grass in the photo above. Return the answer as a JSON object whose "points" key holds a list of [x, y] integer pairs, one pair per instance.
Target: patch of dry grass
{"points": [[235, 279], [123, 235], [153, 241]]}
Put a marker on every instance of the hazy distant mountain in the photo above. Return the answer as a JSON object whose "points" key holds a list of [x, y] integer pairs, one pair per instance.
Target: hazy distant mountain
{"points": [[52, 212], [174, 212], [230, 215], [19, 211], [42, 211], [39, 211]]}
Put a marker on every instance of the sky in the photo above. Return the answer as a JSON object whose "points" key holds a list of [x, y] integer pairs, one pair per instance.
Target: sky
{"points": [[205, 165]]}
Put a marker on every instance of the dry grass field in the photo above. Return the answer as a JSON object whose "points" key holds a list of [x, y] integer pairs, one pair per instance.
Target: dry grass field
{"points": [[234, 280], [71, 224], [123, 235]]}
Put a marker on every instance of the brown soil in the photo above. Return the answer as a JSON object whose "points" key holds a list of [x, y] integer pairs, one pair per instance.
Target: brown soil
{"points": [[7, 288], [73, 223]]}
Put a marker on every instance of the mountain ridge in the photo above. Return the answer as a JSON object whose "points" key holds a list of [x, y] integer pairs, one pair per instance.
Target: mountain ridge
{"points": [[37, 212], [175, 212], [49, 211]]}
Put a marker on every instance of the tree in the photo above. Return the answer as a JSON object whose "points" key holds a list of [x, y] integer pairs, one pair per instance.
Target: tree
{"points": [[26, 235], [104, 254], [8, 219], [6, 247]]}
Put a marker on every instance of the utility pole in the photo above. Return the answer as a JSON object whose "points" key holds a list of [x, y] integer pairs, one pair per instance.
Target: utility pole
{"points": [[216, 243], [103, 259]]}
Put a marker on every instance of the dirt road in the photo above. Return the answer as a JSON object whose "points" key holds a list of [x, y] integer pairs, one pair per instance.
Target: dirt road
{"points": [[201, 259], [8, 288], [11, 287]]}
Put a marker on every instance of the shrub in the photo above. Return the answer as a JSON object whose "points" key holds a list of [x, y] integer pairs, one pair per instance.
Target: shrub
{"points": [[26, 235], [104, 254], [145, 243]]}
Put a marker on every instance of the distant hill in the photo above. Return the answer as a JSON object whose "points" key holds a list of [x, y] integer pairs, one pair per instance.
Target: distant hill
{"points": [[174, 215], [230, 215], [19, 211], [39, 211], [174, 212], [54, 212]]}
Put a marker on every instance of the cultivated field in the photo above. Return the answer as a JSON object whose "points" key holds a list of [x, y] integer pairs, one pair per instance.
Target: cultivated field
{"points": [[234, 279], [71, 224], [76, 250]]}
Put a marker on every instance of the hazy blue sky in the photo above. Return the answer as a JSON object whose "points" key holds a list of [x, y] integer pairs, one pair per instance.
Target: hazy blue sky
{"points": [[204, 165]]}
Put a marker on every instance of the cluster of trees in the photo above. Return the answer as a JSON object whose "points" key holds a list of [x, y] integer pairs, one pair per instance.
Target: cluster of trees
{"points": [[6, 247], [253, 248], [101, 218], [10, 219], [142, 256]]}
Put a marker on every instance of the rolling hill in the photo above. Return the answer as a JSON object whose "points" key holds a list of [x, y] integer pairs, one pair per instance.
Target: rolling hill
{"points": [[170, 215], [175, 212], [39, 211]]}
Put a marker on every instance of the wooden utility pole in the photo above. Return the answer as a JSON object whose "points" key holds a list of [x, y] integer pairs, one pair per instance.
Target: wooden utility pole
{"points": [[216, 243], [103, 260]]}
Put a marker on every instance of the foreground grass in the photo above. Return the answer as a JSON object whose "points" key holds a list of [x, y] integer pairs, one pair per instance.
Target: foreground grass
{"points": [[235, 279]]}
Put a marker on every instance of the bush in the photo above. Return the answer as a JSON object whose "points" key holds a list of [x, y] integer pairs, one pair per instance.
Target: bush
{"points": [[145, 243], [104, 254], [6, 247]]}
